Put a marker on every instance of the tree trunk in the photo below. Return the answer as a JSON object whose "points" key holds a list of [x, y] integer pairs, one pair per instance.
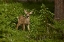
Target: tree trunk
{"points": [[59, 10]]}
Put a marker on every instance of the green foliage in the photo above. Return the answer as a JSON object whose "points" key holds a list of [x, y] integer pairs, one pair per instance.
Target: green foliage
{"points": [[47, 16], [39, 19], [49, 4], [44, 18], [8, 20], [59, 29], [9, 14]]}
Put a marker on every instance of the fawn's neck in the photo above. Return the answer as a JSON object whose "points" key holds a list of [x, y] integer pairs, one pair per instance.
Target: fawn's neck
{"points": [[27, 16]]}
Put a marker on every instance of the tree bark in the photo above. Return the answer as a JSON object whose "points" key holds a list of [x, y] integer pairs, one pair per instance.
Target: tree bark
{"points": [[59, 10]]}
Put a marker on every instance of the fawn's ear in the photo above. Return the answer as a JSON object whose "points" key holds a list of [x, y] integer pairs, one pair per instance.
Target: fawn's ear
{"points": [[25, 11], [31, 12]]}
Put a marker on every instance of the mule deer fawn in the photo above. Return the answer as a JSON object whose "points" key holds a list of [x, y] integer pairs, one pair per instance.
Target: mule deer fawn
{"points": [[24, 20]]}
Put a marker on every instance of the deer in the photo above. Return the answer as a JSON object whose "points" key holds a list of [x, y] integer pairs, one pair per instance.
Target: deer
{"points": [[24, 20]]}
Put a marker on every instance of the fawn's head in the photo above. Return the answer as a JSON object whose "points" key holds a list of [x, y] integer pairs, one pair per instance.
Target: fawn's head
{"points": [[27, 13]]}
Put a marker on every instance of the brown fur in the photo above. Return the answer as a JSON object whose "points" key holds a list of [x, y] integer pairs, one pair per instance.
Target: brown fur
{"points": [[24, 20]]}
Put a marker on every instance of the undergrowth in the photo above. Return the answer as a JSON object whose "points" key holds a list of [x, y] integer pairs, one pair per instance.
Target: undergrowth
{"points": [[40, 19]]}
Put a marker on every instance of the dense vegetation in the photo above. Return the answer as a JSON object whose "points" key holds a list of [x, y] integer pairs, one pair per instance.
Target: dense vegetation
{"points": [[43, 27]]}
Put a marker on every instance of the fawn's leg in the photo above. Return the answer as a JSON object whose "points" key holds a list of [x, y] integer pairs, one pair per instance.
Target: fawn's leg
{"points": [[28, 27], [23, 26], [17, 26]]}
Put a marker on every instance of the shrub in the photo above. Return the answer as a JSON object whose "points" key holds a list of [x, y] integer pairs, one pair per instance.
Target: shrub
{"points": [[39, 23]]}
